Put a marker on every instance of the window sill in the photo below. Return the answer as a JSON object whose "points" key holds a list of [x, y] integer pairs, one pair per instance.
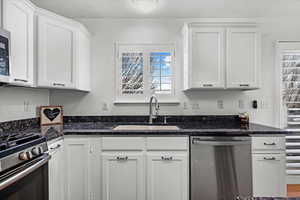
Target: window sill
{"points": [[171, 102]]}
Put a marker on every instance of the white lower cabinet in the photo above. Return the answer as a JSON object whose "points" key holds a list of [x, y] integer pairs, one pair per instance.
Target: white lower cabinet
{"points": [[269, 166], [126, 168], [56, 170], [77, 162], [123, 176], [269, 175], [167, 175]]}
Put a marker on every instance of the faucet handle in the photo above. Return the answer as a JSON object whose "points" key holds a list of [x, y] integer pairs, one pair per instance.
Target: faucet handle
{"points": [[165, 119]]}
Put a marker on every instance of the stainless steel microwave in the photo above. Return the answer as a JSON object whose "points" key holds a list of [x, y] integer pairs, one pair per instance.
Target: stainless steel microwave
{"points": [[4, 55]]}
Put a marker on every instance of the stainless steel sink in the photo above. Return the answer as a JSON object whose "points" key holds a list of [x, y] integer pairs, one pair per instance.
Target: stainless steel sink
{"points": [[145, 127]]}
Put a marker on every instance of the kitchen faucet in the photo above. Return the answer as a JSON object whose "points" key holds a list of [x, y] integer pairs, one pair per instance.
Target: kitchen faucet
{"points": [[156, 107]]}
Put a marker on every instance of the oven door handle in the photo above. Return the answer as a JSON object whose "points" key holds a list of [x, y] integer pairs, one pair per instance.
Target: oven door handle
{"points": [[11, 180], [197, 141]]}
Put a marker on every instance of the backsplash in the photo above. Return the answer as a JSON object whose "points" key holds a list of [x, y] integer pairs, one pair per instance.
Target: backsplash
{"points": [[19, 125]]}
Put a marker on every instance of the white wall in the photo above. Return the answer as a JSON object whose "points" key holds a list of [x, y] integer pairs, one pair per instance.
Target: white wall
{"points": [[108, 31], [21, 103]]}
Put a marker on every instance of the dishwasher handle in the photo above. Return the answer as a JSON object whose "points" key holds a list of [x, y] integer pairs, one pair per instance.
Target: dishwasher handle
{"points": [[221, 141]]}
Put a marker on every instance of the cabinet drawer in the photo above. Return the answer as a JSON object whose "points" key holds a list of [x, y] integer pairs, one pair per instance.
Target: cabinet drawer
{"points": [[123, 143], [268, 143], [167, 143]]}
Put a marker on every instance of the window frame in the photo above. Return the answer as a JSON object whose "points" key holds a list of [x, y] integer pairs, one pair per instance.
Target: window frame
{"points": [[146, 49]]}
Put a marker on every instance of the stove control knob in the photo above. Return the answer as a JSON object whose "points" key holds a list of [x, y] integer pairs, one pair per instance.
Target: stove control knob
{"points": [[23, 156], [29, 155], [35, 151], [41, 150]]}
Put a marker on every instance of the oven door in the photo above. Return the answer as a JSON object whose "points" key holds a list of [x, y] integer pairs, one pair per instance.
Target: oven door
{"points": [[29, 181]]}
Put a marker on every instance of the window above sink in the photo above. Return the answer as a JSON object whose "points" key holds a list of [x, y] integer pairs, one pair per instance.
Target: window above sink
{"points": [[143, 70]]}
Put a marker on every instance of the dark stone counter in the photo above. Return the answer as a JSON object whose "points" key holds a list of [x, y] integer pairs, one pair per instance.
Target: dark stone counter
{"points": [[191, 129], [270, 198], [104, 125]]}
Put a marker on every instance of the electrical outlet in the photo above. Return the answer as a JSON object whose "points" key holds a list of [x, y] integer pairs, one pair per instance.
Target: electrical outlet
{"points": [[104, 107], [26, 106], [220, 104], [264, 104], [195, 106], [241, 104], [185, 106]]}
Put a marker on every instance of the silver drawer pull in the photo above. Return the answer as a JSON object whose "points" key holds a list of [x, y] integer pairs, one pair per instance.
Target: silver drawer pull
{"points": [[122, 158], [270, 144], [20, 80], [167, 158], [59, 84], [208, 85], [57, 146], [244, 85], [269, 158]]}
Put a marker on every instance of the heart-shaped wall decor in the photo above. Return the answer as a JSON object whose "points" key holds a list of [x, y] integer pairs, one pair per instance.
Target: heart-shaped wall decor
{"points": [[51, 114]]}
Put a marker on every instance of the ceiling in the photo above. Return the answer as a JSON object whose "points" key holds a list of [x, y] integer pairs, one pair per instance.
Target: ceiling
{"points": [[173, 8]]}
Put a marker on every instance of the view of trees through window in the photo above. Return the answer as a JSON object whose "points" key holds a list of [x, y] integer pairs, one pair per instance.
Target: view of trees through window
{"points": [[132, 73], [134, 68]]}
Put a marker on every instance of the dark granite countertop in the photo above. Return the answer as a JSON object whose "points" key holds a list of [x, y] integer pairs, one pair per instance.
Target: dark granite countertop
{"points": [[188, 126], [192, 129], [270, 198]]}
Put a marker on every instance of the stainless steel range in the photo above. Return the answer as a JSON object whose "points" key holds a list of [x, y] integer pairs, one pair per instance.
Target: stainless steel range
{"points": [[220, 168], [23, 167]]}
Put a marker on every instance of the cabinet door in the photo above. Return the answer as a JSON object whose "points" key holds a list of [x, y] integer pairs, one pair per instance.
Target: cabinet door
{"points": [[56, 53], [243, 58], [269, 175], [77, 156], [207, 61], [56, 169], [83, 62], [167, 176], [123, 176], [18, 18]]}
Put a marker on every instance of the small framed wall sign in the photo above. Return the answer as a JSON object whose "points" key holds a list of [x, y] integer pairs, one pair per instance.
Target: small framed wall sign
{"points": [[51, 115]]}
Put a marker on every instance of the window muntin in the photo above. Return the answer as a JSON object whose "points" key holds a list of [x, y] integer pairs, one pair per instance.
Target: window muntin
{"points": [[161, 72]]}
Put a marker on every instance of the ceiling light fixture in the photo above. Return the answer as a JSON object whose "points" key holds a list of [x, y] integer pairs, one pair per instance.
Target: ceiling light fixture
{"points": [[145, 6]]}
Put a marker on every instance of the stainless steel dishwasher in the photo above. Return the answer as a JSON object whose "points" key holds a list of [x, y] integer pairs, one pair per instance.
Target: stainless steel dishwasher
{"points": [[221, 168]]}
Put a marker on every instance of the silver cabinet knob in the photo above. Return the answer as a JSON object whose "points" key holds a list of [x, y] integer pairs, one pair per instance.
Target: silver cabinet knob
{"points": [[269, 158], [167, 158], [122, 158], [270, 144]]}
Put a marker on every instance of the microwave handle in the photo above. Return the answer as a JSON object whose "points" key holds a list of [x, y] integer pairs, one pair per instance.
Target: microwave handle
{"points": [[24, 173]]}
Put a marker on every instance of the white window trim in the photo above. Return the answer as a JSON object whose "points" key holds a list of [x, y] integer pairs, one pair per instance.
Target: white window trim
{"points": [[145, 48]]}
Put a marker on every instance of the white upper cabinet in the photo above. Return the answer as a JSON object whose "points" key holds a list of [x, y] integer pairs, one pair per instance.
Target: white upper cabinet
{"points": [[56, 52], [243, 58], [221, 56], [18, 19], [206, 58], [47, 50], [83, 60]]}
